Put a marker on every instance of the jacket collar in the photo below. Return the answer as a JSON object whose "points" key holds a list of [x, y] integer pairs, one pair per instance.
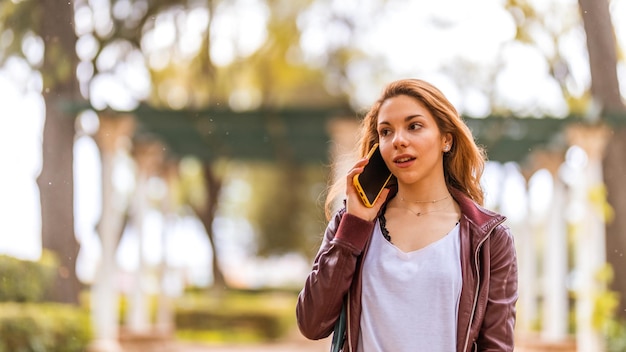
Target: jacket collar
{"points": [[483, 220]]}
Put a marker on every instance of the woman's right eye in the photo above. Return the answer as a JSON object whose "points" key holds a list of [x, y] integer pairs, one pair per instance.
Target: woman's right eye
{"points": [[384, 132]]}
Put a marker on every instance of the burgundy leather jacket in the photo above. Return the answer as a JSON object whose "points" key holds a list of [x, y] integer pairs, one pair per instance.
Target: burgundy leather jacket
{"points": [[486, 314]]}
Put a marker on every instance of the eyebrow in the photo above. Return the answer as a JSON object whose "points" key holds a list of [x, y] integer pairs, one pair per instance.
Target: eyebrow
{"points": [[406, 119]]}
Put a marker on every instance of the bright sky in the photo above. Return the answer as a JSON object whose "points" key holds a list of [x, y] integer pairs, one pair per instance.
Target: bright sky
{"points": [[408, 37]]}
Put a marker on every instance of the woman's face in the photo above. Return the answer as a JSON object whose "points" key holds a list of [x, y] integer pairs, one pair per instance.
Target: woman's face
{"points": [[410, 141]]}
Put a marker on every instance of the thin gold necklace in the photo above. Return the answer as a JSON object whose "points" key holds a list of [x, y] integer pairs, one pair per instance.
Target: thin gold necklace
{"points": [[425, 201], [420, 213]]}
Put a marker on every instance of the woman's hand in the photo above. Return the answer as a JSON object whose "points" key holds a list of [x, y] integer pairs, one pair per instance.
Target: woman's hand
{"points": [[354, 205]]}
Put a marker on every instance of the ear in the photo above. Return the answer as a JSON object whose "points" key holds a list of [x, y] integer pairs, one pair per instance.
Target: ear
{"points": [[447, 142]]}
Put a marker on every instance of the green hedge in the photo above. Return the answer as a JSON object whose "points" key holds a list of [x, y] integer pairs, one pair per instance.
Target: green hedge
{"points": [[43, 327], [25, 280], [235, 316], [264, 325]]}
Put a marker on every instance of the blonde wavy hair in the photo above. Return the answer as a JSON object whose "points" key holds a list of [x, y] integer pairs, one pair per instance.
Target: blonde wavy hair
{"points": [[463, 165]]}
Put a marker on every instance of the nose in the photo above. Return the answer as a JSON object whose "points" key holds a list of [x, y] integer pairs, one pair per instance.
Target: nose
{"points": [[399, 140]]}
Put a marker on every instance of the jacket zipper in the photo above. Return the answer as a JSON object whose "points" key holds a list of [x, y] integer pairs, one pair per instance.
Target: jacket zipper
{"points": [[469, 327]]}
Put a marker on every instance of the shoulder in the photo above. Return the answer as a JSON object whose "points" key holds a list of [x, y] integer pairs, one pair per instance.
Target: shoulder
{"points": [[483, 220], [502, 233]]}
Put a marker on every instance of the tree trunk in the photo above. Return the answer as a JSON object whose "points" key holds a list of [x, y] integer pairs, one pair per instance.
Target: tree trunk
{"points": [[601, 44], [56, 181], [206, 215], [614, 171]]}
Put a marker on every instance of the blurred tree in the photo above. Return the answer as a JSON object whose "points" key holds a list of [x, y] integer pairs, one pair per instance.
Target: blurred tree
{"points": [[549, 37], [602, 47], [109, 35], [605, 90], [48, 25], [272, 76], [283, 210], [56, 185], [288, 214], [601, 100], [194, 77]]}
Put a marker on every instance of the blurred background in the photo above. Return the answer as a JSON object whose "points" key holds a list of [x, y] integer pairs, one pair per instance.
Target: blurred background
{"points": [[166, 162]]}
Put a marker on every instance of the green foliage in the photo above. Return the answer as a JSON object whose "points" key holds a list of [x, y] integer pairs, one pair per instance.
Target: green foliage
{"points": [[286, 207], [616, 336], [604, 309], [17, 20], [536, 27], [604, 312], [27, 327], [235, 316], [189, 187], [58, 58], [24, 280], [124, 305]]}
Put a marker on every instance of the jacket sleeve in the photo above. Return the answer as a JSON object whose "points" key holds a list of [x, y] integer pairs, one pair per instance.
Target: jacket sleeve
{"points": [[319, 302], [497, 329]]}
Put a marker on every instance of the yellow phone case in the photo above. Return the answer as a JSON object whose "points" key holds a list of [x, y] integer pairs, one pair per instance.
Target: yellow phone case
{"points": [[359, 188]]}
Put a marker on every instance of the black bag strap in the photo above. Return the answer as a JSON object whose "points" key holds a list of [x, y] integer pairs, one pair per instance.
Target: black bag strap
{"points": [[340, 330]]}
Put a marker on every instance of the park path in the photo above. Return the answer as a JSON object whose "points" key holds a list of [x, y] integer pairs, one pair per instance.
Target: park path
{"points": [[274, 347], [295, 342], [300, 344], [291, 343]]}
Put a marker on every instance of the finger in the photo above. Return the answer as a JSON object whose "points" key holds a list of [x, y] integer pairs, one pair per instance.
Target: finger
{"points": [[359, 165], [382, 198], [356, 169], [350, 188]]}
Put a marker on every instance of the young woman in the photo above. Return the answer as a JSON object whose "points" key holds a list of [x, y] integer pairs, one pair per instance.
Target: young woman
{"points": [[427, 268]]}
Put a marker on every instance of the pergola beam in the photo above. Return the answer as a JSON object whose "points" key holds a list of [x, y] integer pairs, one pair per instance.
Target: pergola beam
{"points": [[301, 134]]}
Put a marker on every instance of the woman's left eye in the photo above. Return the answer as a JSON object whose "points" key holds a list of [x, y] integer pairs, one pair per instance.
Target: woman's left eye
{"points": [[414, 126]]}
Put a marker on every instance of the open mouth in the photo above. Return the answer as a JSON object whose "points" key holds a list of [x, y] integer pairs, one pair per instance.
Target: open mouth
{"points": [[403, 160]]}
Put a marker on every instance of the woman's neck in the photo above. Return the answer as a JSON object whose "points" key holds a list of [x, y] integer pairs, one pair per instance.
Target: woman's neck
{"points": [[422, 193]]}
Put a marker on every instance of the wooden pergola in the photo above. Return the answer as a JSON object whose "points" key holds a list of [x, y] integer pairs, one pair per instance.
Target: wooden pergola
{"points": [[301, 135], [294, 135]]}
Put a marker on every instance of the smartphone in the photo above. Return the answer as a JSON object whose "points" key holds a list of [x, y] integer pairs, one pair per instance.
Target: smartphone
{"points": [[375, 176]]}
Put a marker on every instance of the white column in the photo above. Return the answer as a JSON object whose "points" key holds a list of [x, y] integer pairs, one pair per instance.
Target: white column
{"points": [[548, 217], [165, 310], [555, 296], [589, 229], [527, 308], [105, 290], [513, 203], [137, 313], [149, 159]]}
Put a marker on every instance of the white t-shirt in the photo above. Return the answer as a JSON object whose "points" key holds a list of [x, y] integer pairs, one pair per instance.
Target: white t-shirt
{"points": [[410, 300]]}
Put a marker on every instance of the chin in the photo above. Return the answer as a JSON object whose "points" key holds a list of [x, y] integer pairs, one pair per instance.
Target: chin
{"points": [[408, 179]]}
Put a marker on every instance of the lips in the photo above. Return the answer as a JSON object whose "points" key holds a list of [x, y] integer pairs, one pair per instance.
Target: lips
{"points": [[403, 159]]}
